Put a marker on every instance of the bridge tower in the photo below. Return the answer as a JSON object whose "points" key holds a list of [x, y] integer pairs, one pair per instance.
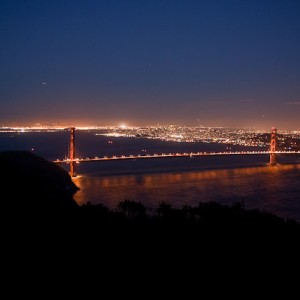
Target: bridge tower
{"points": [[72, 152], [273, 146]]}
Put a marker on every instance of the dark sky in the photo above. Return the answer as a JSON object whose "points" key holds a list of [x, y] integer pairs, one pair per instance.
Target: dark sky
{"points": [[192, 62]]}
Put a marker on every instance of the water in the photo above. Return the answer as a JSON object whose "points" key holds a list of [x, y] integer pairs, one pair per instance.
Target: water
{"points": [[179, 181]]}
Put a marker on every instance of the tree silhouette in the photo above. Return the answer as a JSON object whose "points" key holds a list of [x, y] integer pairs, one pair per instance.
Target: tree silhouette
{"points": [[164, 209], [132, 209]]}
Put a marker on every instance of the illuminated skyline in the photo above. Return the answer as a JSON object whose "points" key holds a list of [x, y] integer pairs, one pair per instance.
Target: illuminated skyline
{"points": [[215, 63]]}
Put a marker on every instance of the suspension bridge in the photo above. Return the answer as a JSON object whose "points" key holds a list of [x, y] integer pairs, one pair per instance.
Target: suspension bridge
{"points": [[72, 160]]}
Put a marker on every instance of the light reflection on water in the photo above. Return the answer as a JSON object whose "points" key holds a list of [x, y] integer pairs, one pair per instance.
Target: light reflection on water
{"points": [[275, 189]]}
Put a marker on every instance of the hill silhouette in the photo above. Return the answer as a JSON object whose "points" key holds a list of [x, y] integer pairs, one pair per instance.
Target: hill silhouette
{"points": [[32, 184]]}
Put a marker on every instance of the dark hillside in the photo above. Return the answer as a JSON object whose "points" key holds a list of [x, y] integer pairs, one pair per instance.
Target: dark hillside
{"points": [[31, 183]]}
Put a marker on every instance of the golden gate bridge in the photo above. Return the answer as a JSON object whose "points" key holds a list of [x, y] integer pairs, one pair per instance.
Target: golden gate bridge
{"points": [[72, 160]]}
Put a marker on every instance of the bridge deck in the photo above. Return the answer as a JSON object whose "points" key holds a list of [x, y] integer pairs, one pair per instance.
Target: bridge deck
{"points": [[164, 155]]}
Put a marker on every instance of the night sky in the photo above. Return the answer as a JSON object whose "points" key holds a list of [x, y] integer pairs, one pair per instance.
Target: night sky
{"points": [[144, 62]]}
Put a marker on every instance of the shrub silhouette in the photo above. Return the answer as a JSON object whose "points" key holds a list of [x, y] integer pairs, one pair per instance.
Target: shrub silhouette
{"points": [[164, 209], [132, 209]]}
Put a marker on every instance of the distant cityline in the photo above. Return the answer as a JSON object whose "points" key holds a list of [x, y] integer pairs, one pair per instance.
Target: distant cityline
{"points": [[63, 126], [287, 140]]}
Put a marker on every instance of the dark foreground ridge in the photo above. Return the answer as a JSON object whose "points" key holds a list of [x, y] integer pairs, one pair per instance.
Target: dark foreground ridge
{"points": [[39, 197], [31, 183]]}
